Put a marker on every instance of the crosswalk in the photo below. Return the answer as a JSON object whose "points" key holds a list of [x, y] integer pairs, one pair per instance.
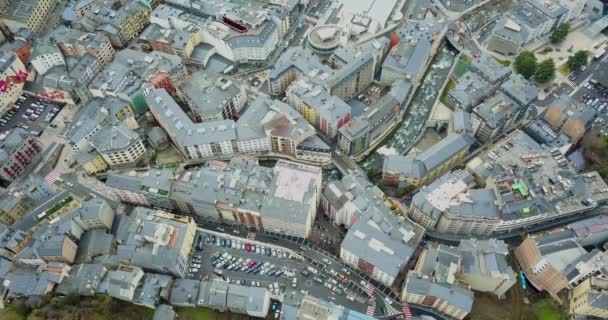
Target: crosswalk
{"points": [[370, 310], [391, 311], [52, 177], [369, 289], [406, 311]]}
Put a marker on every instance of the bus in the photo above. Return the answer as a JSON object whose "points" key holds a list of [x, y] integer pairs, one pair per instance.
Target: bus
{"points": [[41, 215]]}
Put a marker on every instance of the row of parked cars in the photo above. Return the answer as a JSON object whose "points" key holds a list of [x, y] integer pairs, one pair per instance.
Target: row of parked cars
{"points": [[226, 261], [252, 248]]}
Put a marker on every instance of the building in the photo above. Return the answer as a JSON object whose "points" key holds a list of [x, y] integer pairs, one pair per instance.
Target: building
{"points": [[153, 288], [157, 241], [493, 116], [409, 58], [325, 39], [130, 70], [325, 112], [533, 184], [590, 232], [94, 214], [14, 205], [118, 145], [371, 126], [590, 298], [158, 138], [18, 152], [508, 36], [470, 90], [76, 43], [14, 74], [568, 116], [348, 70], [213, 98], [315, 308], [91, 162], [98, 115], [31, 14], [120, 22], [421, 168], [345, 201], [367, 16], [489, 69], [380, 245], [144, 188], [451, 205], [122, 282], [178, 39], [485, 267], [220, 295], [556, 263], [268, 127], [520, 90], [84, 279], [58, 249], [281, 199], [451, 300]]}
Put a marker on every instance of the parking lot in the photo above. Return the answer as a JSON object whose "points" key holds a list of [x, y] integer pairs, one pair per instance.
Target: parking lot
{"points": [[285, 274], [30, 113], [593, 96]]}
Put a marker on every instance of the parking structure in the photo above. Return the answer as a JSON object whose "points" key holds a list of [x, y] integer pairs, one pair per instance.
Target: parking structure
{"points": [[31, 113], [283, 273]]}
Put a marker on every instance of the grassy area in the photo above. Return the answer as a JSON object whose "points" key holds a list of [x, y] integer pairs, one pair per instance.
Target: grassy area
{"points": [[505, 63], [451, 84], [460, 68], [467, 58], [197, 314], [564, 69], [59, 205], [547, 310]]}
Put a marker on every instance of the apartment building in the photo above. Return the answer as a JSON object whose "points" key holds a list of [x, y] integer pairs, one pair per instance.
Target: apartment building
{"points": [[452, 205], [14, 74], [345, 201], [58, 248], [325, 112], [453, 301], [126, 76], [91, 162], [18, 152], [14, 205], [120, 22], [76, 43], [568, 116], [590, 298], [213, 98], [371, 127], [418, 169], [157, 241], [493, 116], [118, 145], [32, 14], [380, 245], [557, 263]]}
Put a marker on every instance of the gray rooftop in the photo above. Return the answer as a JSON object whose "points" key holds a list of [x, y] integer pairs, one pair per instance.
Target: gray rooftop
{"points": [[454, 296], [520, 90], [417, 166]]}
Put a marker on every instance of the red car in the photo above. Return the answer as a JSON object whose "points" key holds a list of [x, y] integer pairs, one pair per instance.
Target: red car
{"points": [[248, 247]]}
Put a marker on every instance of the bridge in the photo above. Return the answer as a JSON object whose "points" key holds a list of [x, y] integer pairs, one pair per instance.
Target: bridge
{"points": [[344, 164]]}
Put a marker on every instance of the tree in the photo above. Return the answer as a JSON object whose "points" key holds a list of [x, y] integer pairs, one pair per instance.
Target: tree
{"points": [[72, 299], [525, 64], [577, 60], [545, 71], [560, 33]]}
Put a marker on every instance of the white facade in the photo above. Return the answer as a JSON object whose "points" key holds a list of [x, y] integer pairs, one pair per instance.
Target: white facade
{"points": [[128, 155], [42, 63]]}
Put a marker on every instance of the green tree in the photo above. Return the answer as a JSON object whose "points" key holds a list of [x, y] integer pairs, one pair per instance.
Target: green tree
{"points": [[22, 308], [560, 33], [525, 64], [577, 60], [72, 299], [545, 71]]}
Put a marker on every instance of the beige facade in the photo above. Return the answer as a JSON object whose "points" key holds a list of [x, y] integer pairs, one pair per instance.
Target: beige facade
{"points": [[10, 65], [590, 298], [95, 165]]}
